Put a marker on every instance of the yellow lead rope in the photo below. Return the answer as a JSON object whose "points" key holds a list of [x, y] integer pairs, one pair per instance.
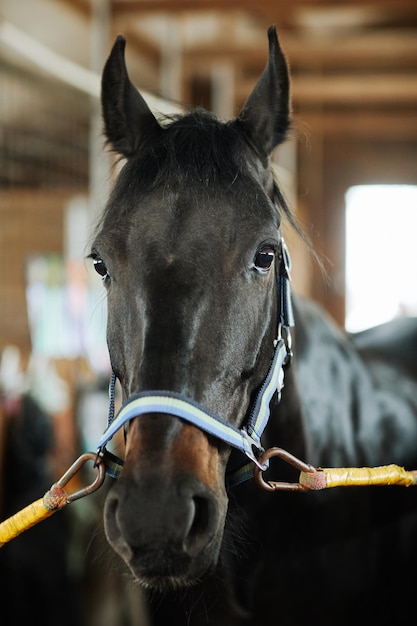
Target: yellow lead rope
{"points": [[314, 479], [53, 500], [324, 478]]}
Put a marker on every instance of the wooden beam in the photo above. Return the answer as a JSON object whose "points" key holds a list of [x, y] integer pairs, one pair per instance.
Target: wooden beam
{"points": [[175, 6], [366, 125], [363, 90], [367, 89], [281, 12], [271, 6], [386, 49], [380, 48]]}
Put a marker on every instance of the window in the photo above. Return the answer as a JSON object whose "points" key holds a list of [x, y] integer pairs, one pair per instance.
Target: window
{"points": [[381, 254]]}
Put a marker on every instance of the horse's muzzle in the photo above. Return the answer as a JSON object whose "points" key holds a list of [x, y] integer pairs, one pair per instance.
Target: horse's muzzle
{"points": [[165, 515]]}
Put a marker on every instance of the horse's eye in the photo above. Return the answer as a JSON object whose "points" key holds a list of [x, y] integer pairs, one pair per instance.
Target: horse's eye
{"points": [[264, 259], [100, 267]]}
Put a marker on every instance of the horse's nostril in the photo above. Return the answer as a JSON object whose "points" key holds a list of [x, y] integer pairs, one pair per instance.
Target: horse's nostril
{"points": [[111, 504], [111, 525], [201, 527], [201, 514]]}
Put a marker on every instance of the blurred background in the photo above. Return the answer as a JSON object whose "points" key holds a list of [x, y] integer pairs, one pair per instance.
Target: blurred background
{"points": [[348, 170]]}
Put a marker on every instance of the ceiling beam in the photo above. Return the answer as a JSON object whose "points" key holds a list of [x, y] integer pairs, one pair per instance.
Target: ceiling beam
{"points": [[365, 90], [386, 126], [273, 6], [294, 14], [381, 49]]}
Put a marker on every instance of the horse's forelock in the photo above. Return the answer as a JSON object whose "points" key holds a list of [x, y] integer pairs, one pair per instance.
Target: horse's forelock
{"points": [[197, 148], [196, 153]]}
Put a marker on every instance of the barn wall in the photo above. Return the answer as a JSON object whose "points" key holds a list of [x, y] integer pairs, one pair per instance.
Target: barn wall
{"points": [[328, 165], [43, 163]]}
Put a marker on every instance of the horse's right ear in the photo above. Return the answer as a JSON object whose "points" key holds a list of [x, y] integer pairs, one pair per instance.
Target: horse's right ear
{"points": [[265, 116], [128, 121]]}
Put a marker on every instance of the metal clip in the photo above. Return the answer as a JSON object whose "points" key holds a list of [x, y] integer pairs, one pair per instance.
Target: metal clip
{"points": [[75, 467], [288, 343], [288, 458], [287, 338], [249, 452]]}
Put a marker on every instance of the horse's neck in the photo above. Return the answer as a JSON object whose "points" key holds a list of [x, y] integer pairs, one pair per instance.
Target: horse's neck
{"points": [[325, 393], [347, 416]]}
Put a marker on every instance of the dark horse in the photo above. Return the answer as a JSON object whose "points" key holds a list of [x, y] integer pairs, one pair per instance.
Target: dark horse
{"points": [[189, 248]]}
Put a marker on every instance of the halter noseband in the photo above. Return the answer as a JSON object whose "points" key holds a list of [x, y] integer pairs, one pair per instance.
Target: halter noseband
{"points": [[244, 439]]}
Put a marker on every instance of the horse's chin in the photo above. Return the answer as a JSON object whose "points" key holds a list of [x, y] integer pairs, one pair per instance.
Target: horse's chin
{"points": [[162, 570], [164, 584]]}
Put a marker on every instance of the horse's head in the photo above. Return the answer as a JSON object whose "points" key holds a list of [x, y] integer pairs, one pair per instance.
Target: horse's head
{"points": [[187, 251]]}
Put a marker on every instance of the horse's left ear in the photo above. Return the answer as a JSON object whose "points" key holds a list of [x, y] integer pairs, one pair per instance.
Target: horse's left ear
{"points": [[128, 120], [265, 116]]}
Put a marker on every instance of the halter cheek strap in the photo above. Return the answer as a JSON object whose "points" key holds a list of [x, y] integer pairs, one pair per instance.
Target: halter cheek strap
{"points": [[245, 439]]}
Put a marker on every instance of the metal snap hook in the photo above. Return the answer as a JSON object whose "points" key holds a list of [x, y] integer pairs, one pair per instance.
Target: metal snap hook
{"points": [[288, 458], [75, 467]]}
